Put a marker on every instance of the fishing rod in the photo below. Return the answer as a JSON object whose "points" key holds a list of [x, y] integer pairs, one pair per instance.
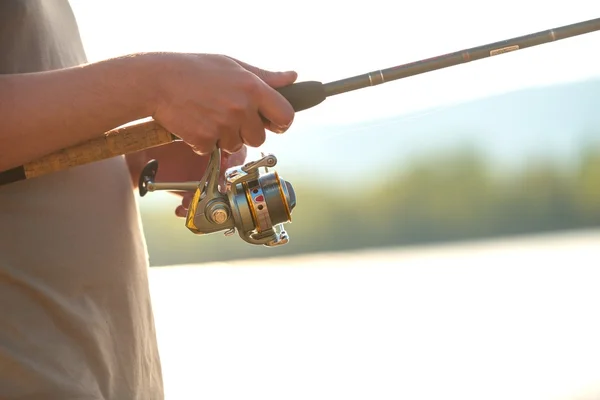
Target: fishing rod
{"points": [[254, 204], [304, 95]]}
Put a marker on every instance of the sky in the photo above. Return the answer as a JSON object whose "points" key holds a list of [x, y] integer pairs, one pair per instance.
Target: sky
{"points": [[330, 40]]}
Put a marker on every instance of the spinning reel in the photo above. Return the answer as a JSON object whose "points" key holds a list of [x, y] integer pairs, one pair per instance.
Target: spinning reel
{"points": [[254, 204]]}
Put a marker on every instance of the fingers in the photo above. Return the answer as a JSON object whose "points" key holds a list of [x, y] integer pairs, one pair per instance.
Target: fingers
{"points": [[252, 131], [231, 143], [231, 160], [181, 210], [275, 79], [205, 137], [238, 158], [201, 136], [271, 104], [236, 103], [276, 110]]}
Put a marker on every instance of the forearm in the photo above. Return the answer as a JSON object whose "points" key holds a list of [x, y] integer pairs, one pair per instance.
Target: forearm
{"points": [[44, 112]]}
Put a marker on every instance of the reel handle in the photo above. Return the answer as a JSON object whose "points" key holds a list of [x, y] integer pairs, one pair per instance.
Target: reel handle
{"points": [[147, 182]]}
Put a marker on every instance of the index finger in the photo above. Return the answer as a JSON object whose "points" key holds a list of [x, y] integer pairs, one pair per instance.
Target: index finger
{"points": [[275, 109]]}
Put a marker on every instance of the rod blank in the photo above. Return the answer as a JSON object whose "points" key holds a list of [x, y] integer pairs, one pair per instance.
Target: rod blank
{"points": [[304, 95]]}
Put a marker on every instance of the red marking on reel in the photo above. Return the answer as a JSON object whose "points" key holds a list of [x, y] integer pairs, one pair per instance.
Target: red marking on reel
{"points": [[259, 198]]}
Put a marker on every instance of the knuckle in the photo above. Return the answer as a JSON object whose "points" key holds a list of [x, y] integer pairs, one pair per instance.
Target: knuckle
{"points": [[262, 74], [250, 83], [223, 123], [237, 109], [197, 134]]}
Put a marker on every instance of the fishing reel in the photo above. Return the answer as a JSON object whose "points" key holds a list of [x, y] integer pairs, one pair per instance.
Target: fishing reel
{"points": [[255, 205]]}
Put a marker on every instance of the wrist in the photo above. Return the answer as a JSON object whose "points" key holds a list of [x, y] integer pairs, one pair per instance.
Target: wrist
{"points": [[157, 73], [141, 76]]}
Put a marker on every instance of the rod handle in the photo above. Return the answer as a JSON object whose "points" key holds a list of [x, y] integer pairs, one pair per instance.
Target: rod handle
{"points": [[304, 95], [120, 141]]}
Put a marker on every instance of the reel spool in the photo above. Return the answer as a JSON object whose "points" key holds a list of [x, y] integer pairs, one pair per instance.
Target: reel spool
{"points": [[255, 205]]}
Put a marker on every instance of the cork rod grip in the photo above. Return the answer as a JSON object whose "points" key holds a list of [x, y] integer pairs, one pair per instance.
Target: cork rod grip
{"points": [[120, 141]]}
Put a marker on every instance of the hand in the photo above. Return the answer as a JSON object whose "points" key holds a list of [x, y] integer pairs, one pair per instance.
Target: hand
{"points": [[214, 100]]}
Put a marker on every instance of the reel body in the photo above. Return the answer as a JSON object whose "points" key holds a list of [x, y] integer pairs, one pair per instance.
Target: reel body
{"points": [[255, 205]]}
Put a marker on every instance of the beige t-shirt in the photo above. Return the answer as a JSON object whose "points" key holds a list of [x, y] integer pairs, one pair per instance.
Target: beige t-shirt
{"points": [[75, 313]]}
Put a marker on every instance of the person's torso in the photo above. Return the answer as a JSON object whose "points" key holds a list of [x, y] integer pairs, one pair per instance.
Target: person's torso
{"points": [[76, 319]]}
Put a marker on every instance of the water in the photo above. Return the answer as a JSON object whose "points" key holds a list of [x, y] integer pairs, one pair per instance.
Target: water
{"points": [[513, 319]]}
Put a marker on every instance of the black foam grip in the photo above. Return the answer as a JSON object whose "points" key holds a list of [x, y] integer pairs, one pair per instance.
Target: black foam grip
{"points": [[303, 95]]}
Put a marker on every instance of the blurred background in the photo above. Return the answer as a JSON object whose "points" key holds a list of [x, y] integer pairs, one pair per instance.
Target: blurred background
{"points": [[501, 146], [446, 237], [518, 163]]}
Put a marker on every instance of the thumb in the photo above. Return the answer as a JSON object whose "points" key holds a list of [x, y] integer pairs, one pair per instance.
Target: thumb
{"points": [[275, 79]]}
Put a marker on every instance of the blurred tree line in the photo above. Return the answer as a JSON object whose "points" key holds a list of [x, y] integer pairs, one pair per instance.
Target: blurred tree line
{"points": [[452, 196]]}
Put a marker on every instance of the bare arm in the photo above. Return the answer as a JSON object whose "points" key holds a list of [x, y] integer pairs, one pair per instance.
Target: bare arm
{"points": [[44, 112]]}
